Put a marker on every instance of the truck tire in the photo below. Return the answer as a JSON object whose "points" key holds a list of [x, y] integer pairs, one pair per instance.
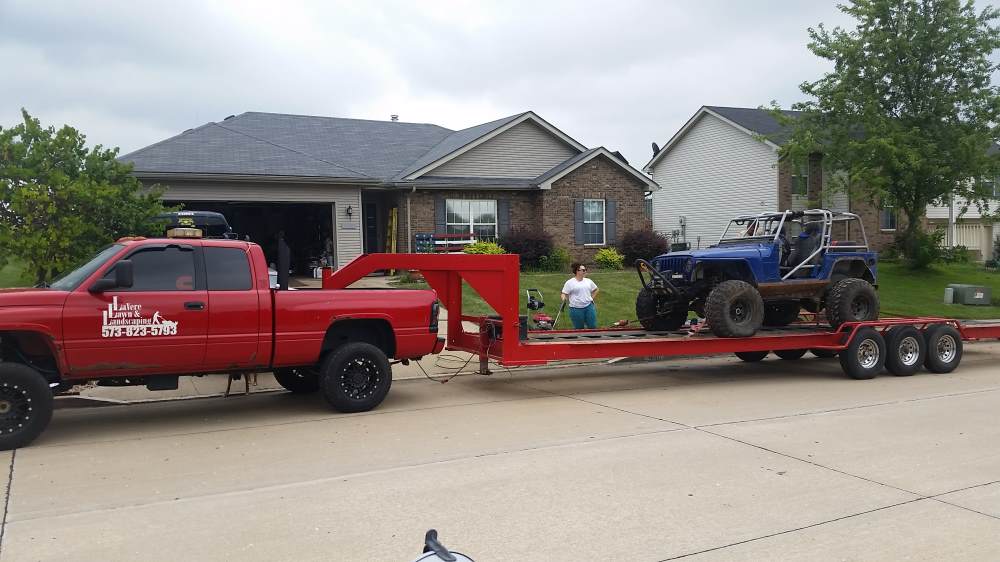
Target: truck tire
{"points": [[355, 377], [734, 309], [865, 355], [905, 348], [851, 300], [944, 348], [823, 353], [25, 405], [299, 380], [790, 354], [647, 311], [752, 356], [780, 313]]}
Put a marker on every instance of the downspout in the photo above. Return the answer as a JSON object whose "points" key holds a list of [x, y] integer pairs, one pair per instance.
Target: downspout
{"points": [[409, 234], [951, 221]]}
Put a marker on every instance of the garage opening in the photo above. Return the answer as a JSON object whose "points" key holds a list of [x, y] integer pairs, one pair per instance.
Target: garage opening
{"points": [[307, 227]]}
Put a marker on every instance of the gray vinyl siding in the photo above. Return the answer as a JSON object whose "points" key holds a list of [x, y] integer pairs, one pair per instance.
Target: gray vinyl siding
{"points": [[523, 151], [711, 174]]}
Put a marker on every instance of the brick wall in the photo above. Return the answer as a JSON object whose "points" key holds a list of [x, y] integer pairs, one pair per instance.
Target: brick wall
{"points": [[524, 208]]}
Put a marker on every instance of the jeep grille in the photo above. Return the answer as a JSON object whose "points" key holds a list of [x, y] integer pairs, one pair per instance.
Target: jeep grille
{"points": [[674, 264]]}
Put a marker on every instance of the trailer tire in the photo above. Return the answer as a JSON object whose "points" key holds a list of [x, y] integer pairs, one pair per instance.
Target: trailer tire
{"points": [[944, 348], [752, 356], [647, 310], [25, 405], [824, 353], [734, 309], [905, 350], [851, 300], [355, 377], [780, 313], [298, 380], [790, 354], [865, 355]]}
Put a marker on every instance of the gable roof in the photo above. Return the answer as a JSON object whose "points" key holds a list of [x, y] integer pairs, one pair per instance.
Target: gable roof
{"points": [[546, 180]]}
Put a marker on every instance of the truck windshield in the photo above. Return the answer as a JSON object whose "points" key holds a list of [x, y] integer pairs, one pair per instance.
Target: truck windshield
{"points": [[72, 280]]}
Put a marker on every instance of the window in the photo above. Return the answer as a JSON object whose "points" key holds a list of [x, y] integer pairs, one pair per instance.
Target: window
{"points": [[800, 180], [990, 187], [227, 269], [472, 216], [887, 219], [162, 269], [593, 221]]}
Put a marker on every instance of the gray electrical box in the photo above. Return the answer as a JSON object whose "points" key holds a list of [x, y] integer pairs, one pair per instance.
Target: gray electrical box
{"points": [[971, 294]]}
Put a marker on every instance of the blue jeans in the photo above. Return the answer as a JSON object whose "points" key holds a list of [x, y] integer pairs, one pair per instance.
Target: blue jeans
{"points": [[584, 317]]}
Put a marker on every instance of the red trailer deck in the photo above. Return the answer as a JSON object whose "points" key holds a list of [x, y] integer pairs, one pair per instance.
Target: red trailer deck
{"points": [[901, 344]]}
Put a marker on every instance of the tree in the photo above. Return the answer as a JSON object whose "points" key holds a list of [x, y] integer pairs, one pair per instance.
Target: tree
{"points": [[60, 202], [908, 116]]}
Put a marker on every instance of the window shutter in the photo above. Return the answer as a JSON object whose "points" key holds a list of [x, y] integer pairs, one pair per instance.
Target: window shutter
{"points": [[440, 210], [503, 217], [578, 221], [610, 221]]}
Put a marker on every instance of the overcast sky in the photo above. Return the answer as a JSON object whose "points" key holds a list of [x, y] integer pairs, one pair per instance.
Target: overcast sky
{"points": [[619, 74]]}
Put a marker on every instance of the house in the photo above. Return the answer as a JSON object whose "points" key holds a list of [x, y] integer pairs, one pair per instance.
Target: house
{"points": [[724, 162], [342, 187]]}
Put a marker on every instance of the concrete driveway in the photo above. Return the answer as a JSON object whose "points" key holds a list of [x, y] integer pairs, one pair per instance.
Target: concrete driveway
{"points": [[709, 459]]}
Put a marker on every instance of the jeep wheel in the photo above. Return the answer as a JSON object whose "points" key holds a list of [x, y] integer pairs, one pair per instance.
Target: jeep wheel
{"points": [[298, 379], [780, 313], [734, 309], [25, 405], [647, 310], [851, 300], [355, 377]]}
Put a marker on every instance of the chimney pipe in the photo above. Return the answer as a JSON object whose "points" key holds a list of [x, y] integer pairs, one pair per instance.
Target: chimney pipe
{"points": [[394, 117]]}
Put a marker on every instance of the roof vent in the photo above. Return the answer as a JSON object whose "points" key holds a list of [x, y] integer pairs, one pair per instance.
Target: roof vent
{"points": [[394, 117], [620, 157], [228, 118]]}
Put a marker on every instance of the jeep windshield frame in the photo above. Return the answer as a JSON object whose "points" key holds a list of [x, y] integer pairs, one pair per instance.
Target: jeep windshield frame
{"points": [[764, 227]]}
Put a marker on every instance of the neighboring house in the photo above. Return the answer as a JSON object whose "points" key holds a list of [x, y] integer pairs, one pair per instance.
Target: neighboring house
{"points": [[338, 185], [965, 225]]}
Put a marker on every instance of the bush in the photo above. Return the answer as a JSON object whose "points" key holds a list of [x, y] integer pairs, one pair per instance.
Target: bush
{"points": [[609, 258], [557, 260], [924, 248], [645, 244], [482, 247], [956, 254], [531, 244]]}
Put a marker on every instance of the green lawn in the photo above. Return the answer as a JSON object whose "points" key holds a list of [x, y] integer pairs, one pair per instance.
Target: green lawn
{"points": [[12, 275]]}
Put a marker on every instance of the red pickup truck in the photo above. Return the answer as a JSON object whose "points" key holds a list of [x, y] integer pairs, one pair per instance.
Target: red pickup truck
{"points": [[145, 311]]}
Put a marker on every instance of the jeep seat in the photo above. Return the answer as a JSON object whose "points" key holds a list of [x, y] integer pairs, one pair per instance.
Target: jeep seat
{"points": [[807, 243]]}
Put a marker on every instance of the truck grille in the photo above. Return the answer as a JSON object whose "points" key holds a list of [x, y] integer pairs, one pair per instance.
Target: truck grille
{"points": [[673, 264]]}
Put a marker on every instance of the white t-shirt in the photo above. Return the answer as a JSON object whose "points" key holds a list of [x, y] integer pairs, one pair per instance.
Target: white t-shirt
{"points": [[579, 292]]}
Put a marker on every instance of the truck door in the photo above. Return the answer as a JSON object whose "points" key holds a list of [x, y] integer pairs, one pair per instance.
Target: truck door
{"points": [[159, 325], [233, 319]]}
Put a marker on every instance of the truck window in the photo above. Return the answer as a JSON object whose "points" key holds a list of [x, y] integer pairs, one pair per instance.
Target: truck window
{"points": [[228, 269], [162, 269]]}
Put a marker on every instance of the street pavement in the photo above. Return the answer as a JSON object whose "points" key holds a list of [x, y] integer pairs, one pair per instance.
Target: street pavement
{"points": [[702, 459]]}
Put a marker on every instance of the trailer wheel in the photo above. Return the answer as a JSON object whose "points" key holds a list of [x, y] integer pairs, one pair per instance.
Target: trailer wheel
{"points": [[780, 313], [355, 377], [944, 348], [25, 405], [905, 349], [647, 310], [734, 309], [865, 355], [790, 354], [823, 353], [851, 300], [298, 380], [752, 356]]}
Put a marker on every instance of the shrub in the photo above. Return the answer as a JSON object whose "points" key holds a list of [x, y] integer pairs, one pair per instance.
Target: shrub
{"points": [[609, 258], [645, 244], [956, 254], [483, 247], [924, 248], [532, 245], [557, 260]]}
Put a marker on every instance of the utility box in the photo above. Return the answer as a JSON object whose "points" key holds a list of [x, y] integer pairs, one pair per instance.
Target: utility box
{"points": [[971, 294]]}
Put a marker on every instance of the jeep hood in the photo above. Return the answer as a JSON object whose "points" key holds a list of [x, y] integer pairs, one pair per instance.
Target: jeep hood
{"points": [[733, 251], [32, 297]]}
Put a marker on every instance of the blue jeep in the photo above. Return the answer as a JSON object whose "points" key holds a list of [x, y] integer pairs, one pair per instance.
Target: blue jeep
{"points": [[764, 269]]}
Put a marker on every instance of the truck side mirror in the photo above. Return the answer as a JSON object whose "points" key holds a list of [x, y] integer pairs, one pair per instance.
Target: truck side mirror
{"points": [[123, 278]]}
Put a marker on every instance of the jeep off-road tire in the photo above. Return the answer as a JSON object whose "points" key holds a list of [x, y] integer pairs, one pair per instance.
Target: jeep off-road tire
{"points": [[299, 380], [25, 405], [851, 300], [780, 313], [355, 377], [944, 348], [734, 309], [647, 311], [905, 349], [865, 355]]}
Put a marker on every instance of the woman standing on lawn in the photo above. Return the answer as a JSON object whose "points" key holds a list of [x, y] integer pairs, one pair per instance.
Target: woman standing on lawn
{"points": [[580, 293]]}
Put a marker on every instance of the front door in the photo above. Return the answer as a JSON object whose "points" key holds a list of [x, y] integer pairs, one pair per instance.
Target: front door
{"points": [[370, 212], [159, 325]]}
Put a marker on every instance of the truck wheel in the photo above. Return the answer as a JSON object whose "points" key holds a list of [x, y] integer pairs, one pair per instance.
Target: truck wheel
{"points": [[780, 313], [851, 300], [299, 380], [647, 310], [823, 353], [865, 355], [734, 309], [25, 405], [905, 349], [355, 377], [752, 356], [790, 354], [944, 349]]}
